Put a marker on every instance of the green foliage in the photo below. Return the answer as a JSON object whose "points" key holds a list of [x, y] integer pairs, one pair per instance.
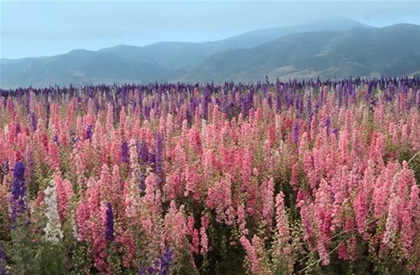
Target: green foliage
{"points": [[81, 259], [114, 259], [184, 264], [414, 164], [222, 257], [30, 254]]}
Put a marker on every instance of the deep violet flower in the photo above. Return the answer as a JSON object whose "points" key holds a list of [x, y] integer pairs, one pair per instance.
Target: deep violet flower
{"points": [[161, 266], [3, 270], [125, 158], [89, 132], [18, 191], [295, 132], [109, 232]]}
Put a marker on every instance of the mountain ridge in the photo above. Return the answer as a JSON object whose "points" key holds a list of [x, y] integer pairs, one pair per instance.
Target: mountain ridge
{"points": [[305, 52], [327, 53]]}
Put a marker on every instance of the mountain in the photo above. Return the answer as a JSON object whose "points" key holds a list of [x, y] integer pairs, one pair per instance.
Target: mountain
{"points": [[182, 55], [258, 37], [367, 52], [77, 67], [333, 49], [170, 55]]}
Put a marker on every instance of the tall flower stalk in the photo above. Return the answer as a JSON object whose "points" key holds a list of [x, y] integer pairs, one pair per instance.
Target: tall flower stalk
{"points": [[3, 270], [18, 205]]}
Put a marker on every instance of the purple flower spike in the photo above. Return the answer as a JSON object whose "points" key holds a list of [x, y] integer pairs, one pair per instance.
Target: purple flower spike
{"points": [[327, 124], [124, 152], [18, 191], [33, 121], [295, 132], [3, 270], [89, 132], [159, 153], [109, 232]]}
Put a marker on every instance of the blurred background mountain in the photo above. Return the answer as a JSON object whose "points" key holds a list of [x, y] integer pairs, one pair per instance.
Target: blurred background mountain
{"points": [[329, 49]]}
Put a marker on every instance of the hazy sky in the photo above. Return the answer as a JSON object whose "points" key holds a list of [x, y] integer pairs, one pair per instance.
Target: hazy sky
{"points": [[38, 28]]}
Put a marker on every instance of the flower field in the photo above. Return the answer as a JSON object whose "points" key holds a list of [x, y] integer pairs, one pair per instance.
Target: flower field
{"points": [[268, 178]]}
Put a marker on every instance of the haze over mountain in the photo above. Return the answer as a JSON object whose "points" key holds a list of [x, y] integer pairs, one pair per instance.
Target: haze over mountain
{"points": [[329, 49], [365, 52], [180, 55]]}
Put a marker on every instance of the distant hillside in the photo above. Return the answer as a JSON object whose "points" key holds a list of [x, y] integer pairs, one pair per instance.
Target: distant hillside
{"points": [[367, 52], [78, 67], [182, 55], [258, 37], [333, 49]]}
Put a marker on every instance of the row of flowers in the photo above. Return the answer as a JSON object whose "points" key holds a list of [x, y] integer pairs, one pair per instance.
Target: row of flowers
{"points": [[269, 178]]}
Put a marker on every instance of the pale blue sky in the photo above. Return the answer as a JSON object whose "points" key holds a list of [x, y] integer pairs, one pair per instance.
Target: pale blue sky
{"points": [[39, 28]]}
